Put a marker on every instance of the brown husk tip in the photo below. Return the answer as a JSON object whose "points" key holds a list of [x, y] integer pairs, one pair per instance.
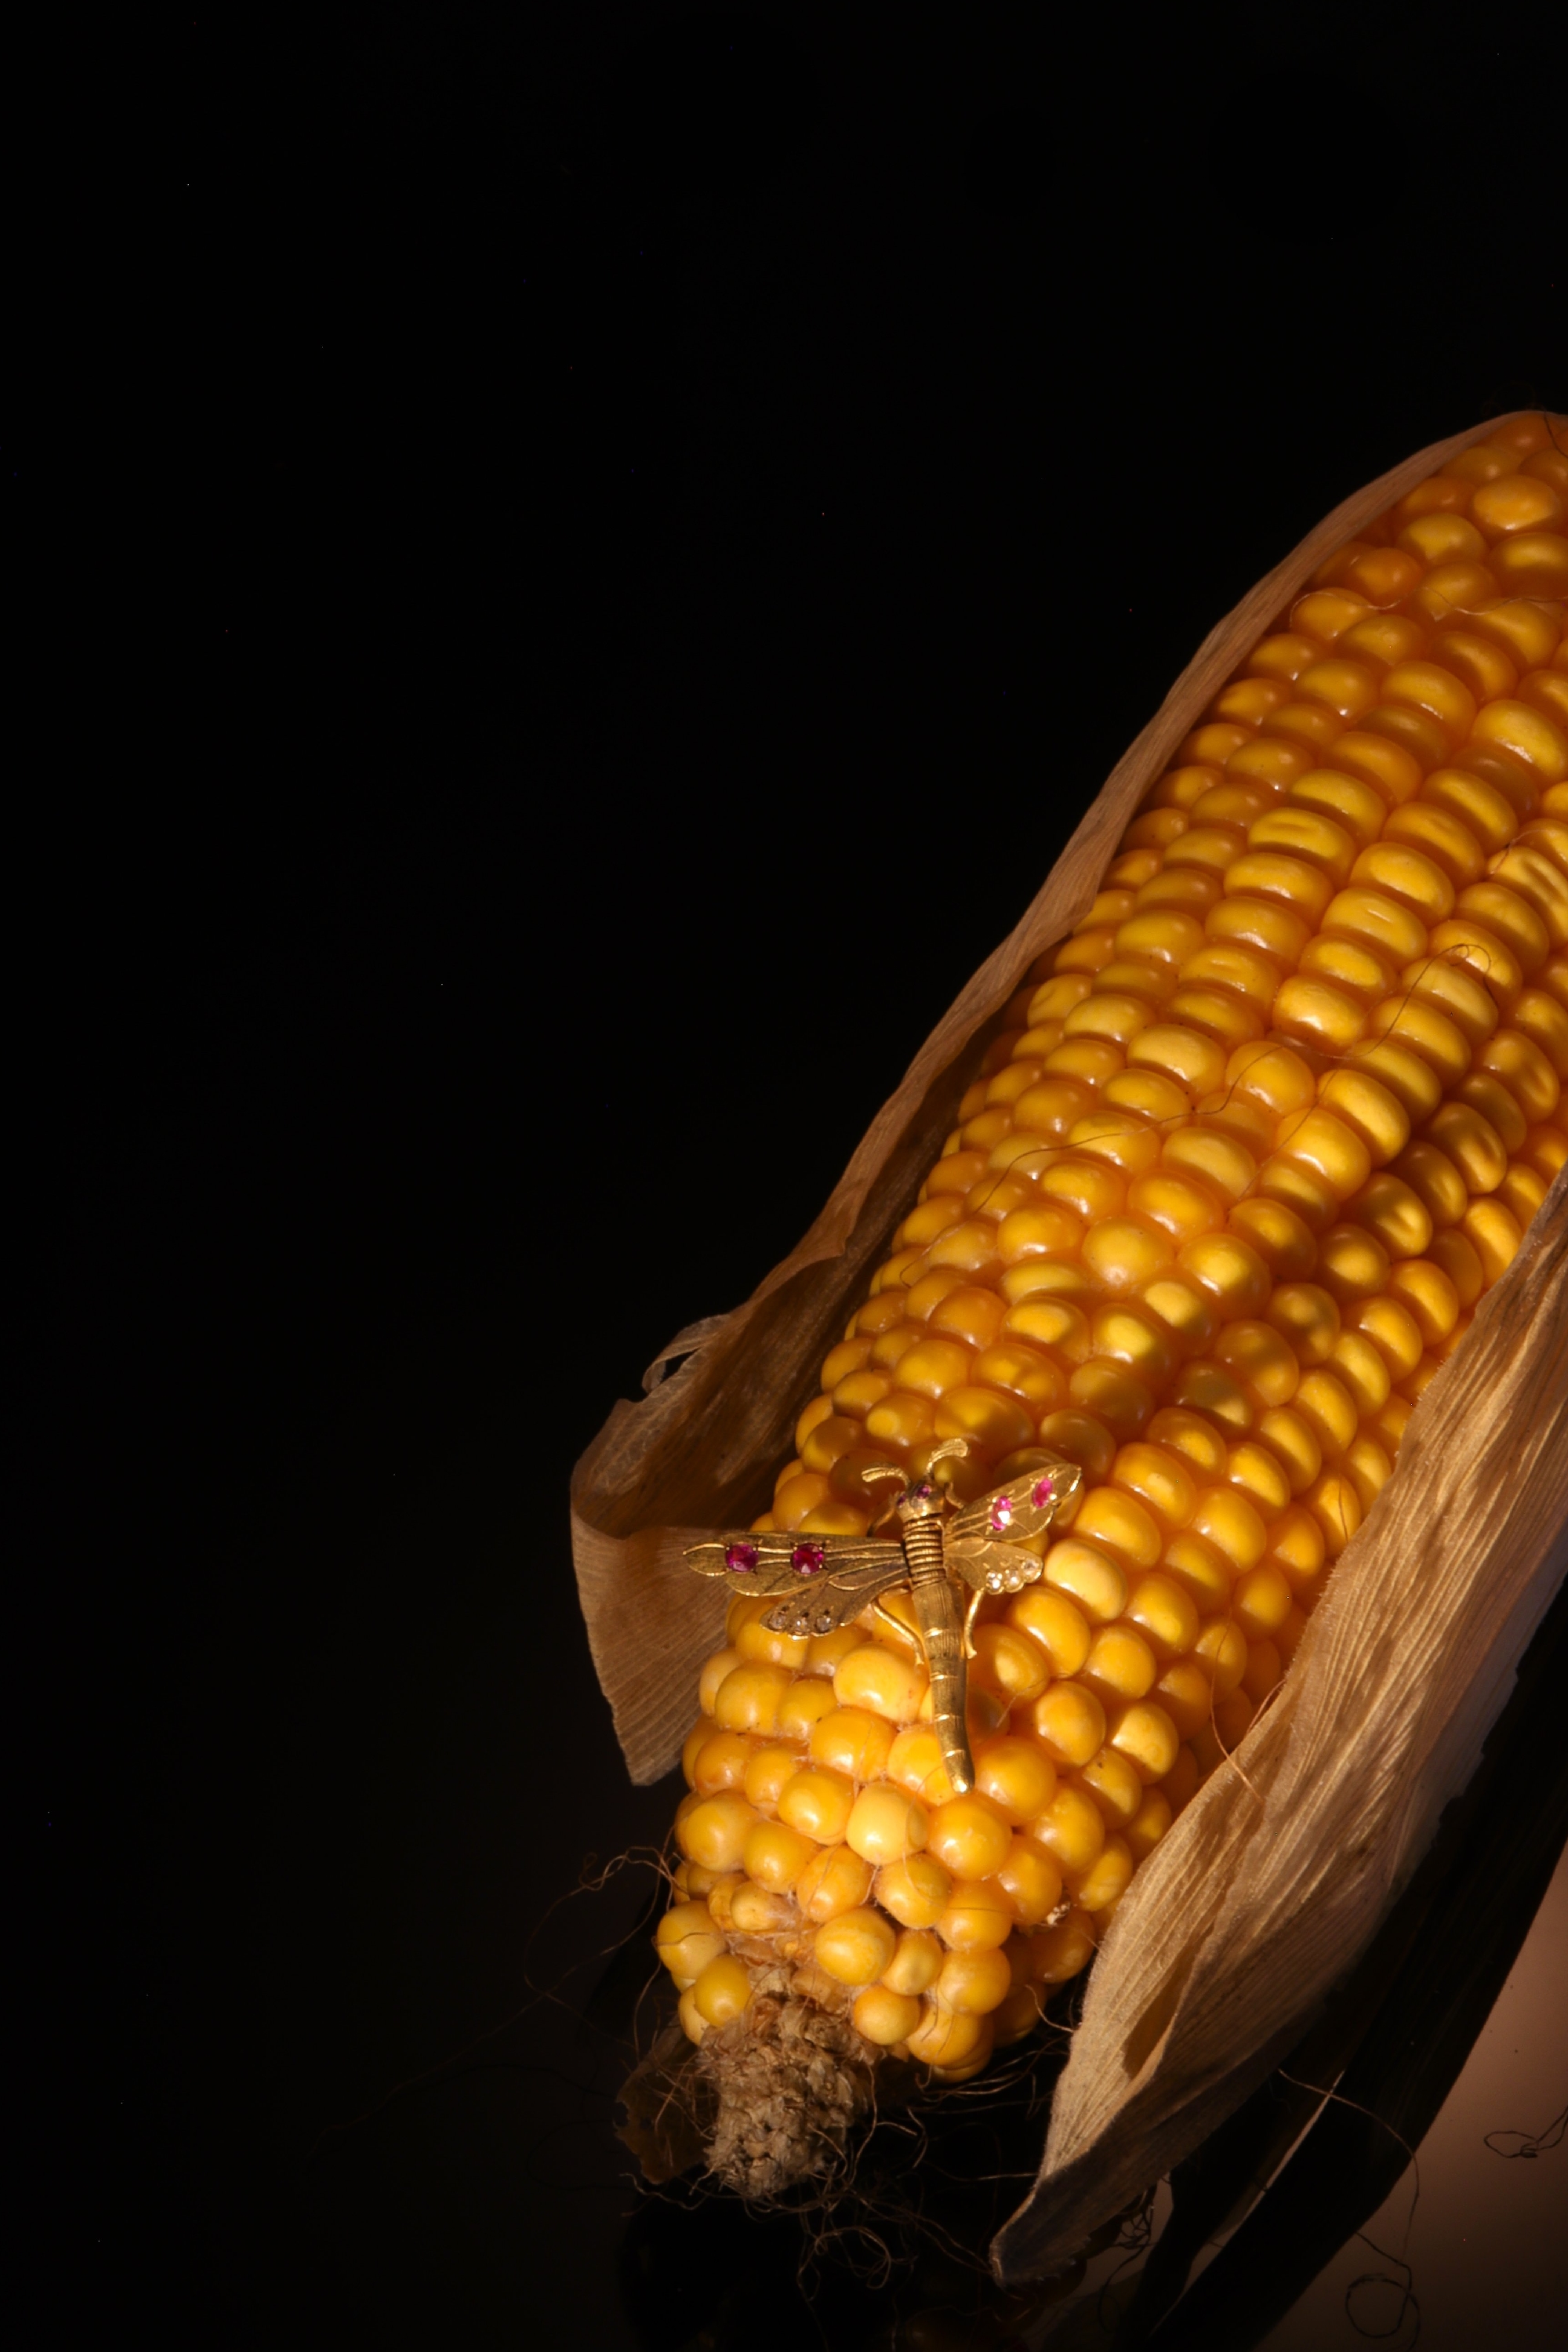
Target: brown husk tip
{"points": [[790, 2081], [664, 2122]]}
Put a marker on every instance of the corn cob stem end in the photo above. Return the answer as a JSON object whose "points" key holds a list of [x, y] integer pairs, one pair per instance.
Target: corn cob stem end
{"points": [[768, 2104], [789, 2079]]}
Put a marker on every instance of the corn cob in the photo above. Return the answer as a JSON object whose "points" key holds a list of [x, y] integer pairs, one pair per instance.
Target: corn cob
{"points": [[1223, 1198]]}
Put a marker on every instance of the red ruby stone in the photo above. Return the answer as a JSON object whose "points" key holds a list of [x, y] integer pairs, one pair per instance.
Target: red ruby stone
{"points": [[741, 1557], [805, 1559], [1043, 1493], [1001, 1512]]}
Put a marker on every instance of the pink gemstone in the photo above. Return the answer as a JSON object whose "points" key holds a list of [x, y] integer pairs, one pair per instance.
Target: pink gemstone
{"points": [[805, 1559], [1043, 1492], [1001, 1512], [741, 1557]]}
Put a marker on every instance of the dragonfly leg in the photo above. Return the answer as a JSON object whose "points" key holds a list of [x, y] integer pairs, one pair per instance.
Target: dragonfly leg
{"points": [[969, 1615]]}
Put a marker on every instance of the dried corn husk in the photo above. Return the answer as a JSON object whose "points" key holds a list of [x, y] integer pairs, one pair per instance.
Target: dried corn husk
{"points": [[1278, 1874]]}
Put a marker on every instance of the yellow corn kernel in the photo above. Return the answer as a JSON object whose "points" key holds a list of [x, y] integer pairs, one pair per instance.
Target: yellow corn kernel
{"points": [[1368, 1468], [1335, 1502], [1221, 1652], [1101, 1887], [1031, 1880], [1391, 1326], [1121, 1666], [1148, 1825], [884, 2016], [1458, 1260], [818, 1802], [722, 1990], [855, 1947], [716, 1671], [1071, 1829], [714, 1833], [973, 1981], [917, 1960], [1016, 1775], [1146, 1735], [696, 1739], [915, 1764], [1362, 1371], [1080, 1438], [1184, 1694], [1295, 1544], [1494, 1234], [749, 1697], [1059, 1953], [1326, 1405], [1256, 1470], [1200, 1571], [808, 1700], [1113, 1784], [766, 1770], [723, 1760], [945, 2038], [1088, 1575], [1009, 1662], [885, 1825], [1068, 1721], [1119, 1522], [1229, 1521], [716, 1888], [1165, 1614], [1161, 1481], [1261, 1601], [874, 1679], [753, 1911], [837, 1880], [686, 1939], [915, 1891], [976, 1915], [774, 1855], [1053, 1622], [969, 1836], [851, 1740]]}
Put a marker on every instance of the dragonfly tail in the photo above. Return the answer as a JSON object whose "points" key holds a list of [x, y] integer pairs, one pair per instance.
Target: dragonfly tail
{"points": [[942, 1633]]}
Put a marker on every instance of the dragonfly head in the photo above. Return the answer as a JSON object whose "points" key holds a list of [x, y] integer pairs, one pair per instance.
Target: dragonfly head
{"points": [[926, 1496], [923, 1500]]}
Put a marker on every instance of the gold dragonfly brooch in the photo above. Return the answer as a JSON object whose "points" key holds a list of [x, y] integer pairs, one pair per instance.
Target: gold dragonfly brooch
{"points": [[931, 1542]]}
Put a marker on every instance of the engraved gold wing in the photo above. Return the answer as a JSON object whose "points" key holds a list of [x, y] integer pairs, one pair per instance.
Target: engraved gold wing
{"points": [[824, 1581], [986, 1541]]}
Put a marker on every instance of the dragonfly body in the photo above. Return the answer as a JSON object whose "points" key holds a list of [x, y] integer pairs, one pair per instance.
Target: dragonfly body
{"points": [[942, 1637], [829, 1580]]}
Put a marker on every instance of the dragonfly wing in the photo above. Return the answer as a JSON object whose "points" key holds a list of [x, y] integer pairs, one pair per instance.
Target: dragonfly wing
{"points": [[1024, 1506], [842, 1588], [750, 1562], [992, 1567], [827, 1579]]}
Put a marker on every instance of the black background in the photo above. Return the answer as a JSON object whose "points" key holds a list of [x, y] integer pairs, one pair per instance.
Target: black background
{"points": [[588, 561]]}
